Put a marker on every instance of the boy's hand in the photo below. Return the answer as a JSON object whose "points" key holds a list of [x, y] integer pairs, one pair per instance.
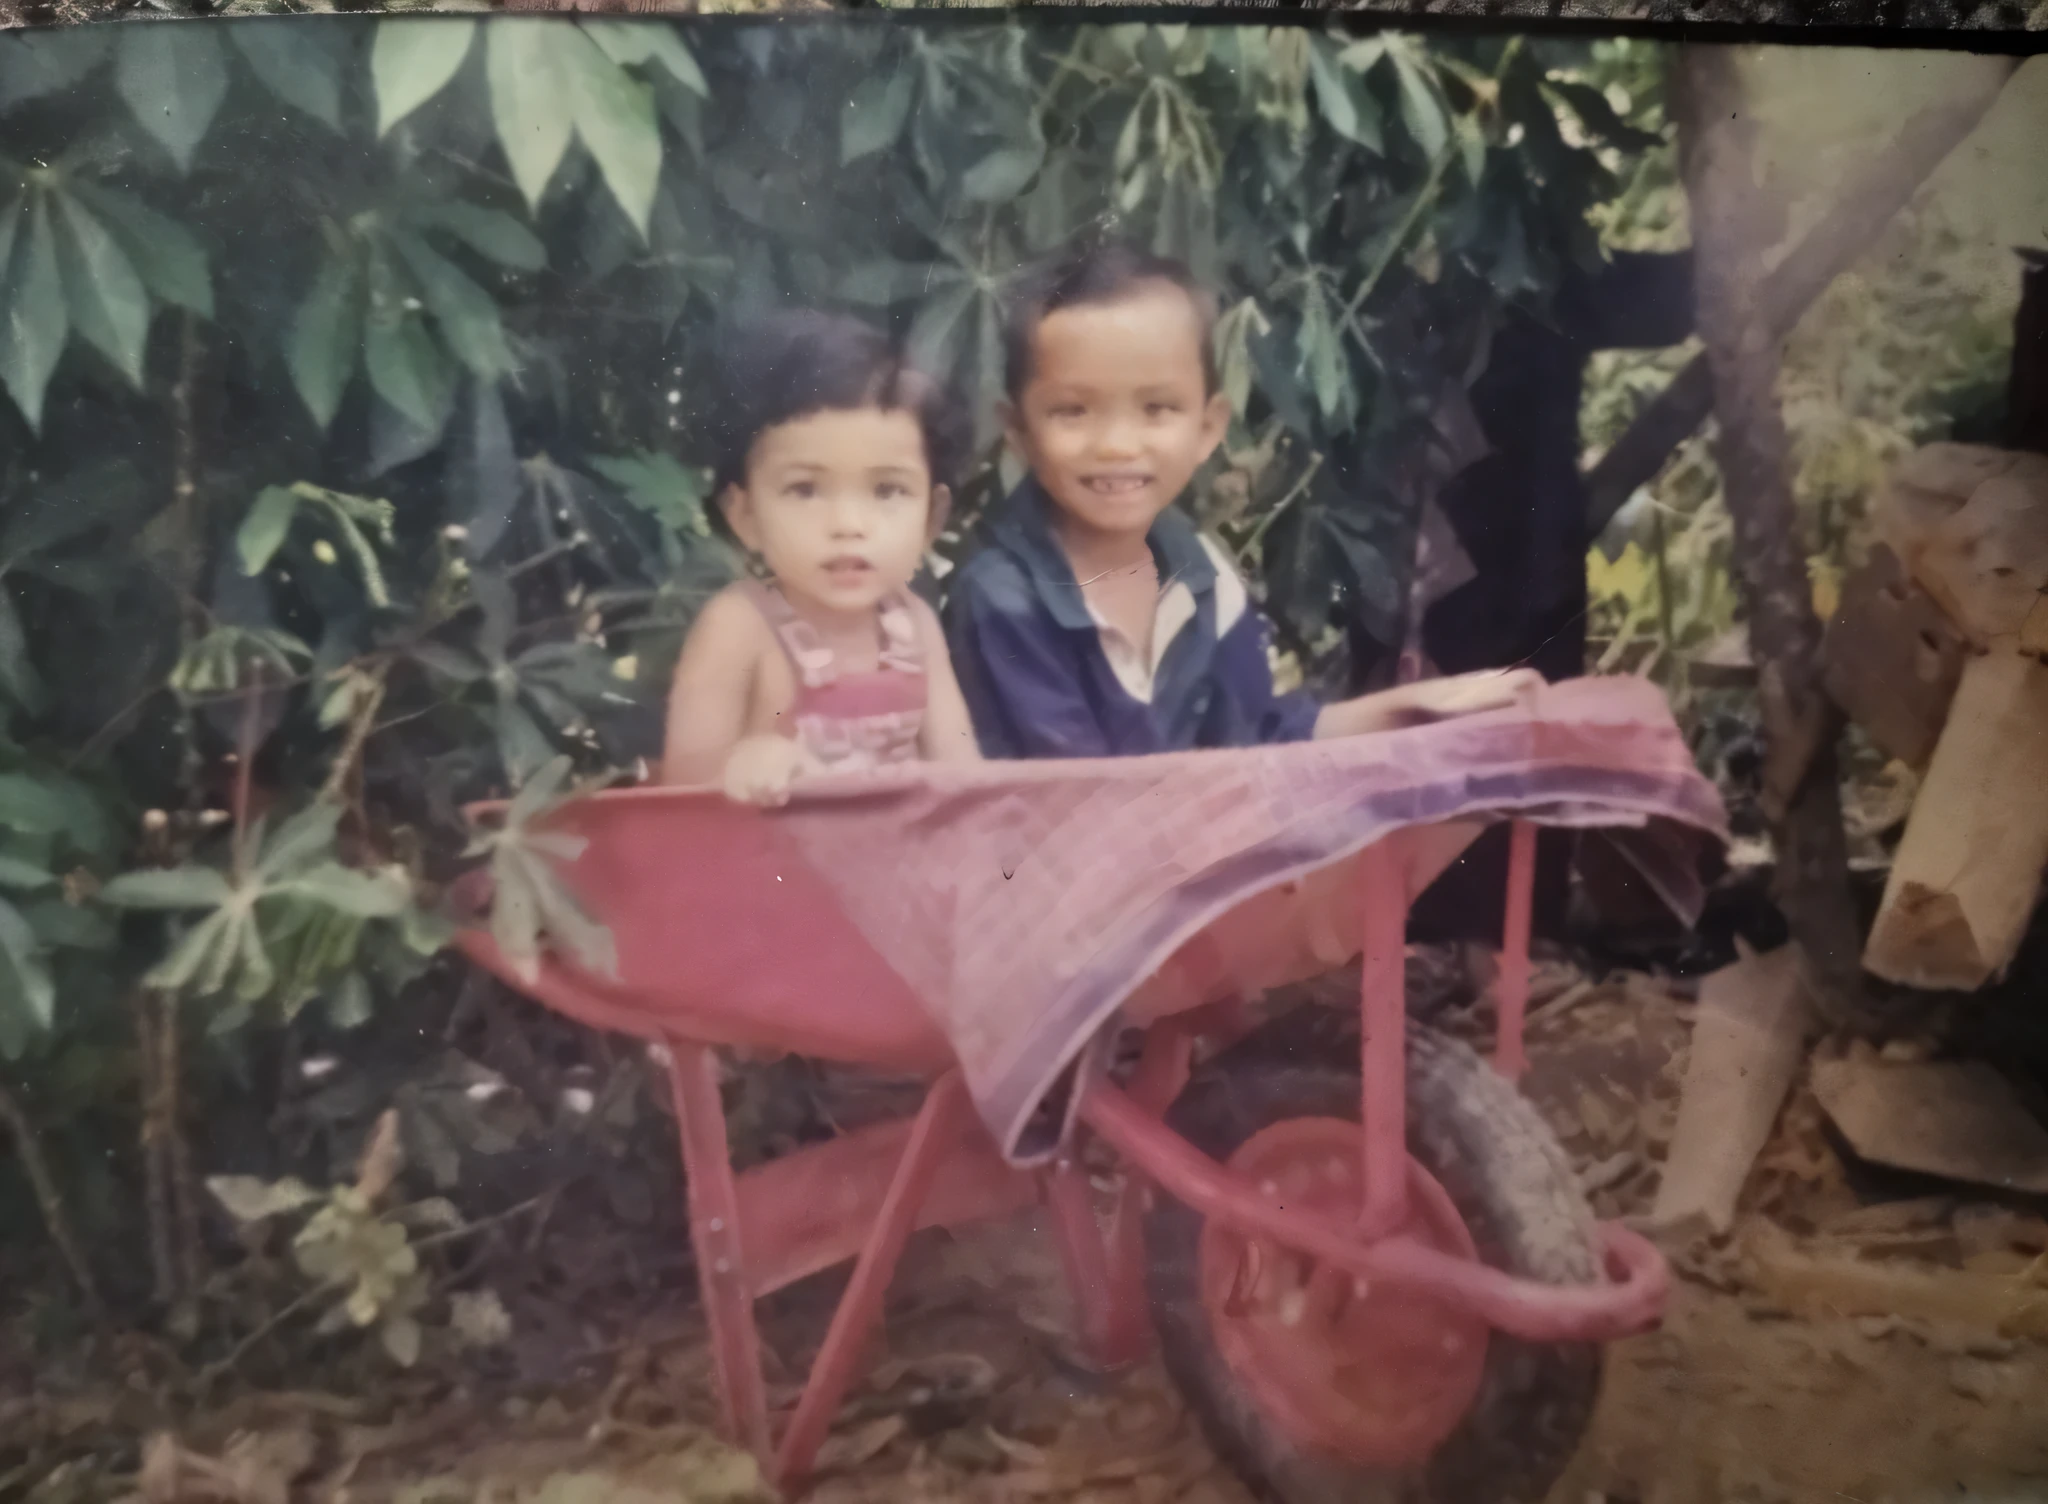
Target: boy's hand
{"points": [[762, 769], [1469, 694]]}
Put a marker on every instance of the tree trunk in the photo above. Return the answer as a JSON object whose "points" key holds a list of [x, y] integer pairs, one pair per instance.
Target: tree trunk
{"points": [[1730, 235], [1884, 187]]}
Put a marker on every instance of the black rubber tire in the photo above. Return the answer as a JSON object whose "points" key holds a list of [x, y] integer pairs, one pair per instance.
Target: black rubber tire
{"points": [[1510, 1179]]}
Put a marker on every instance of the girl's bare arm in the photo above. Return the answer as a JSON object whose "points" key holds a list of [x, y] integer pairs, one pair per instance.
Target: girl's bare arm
{"points": [[948, 734], [708, 699]]}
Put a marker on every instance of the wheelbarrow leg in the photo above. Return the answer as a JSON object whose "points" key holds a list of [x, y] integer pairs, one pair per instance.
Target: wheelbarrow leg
{"points": [[715, 1236], [1383, 1112], [1107, 1275], [931, 1137], [1511, 996]]}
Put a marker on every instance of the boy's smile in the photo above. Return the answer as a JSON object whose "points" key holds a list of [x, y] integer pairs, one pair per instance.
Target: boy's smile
{"points": [[1117, 415]]}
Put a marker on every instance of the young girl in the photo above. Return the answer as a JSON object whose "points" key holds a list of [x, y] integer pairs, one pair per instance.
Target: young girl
{"points": [[833, 473]]}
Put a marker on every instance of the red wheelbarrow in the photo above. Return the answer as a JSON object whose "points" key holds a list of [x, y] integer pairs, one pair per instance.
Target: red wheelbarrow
{"points": [[1365, 1257]]}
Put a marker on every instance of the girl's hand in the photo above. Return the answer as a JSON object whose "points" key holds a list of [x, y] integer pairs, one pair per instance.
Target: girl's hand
{"points": [[762, 769]]}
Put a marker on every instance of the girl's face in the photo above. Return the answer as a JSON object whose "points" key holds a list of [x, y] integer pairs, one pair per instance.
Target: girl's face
{"points": [[840, 506]]}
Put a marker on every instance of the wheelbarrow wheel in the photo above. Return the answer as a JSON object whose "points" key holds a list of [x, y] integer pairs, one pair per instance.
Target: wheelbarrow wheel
{"points": [[1456, 1416]]}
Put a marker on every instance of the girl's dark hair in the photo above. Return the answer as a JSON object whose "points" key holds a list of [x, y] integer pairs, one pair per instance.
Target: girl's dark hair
{"points": [[1096, 270], [793, 364]]}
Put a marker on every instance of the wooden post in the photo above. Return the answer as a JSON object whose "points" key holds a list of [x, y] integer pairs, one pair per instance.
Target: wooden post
{"points": [[1731, 232]]}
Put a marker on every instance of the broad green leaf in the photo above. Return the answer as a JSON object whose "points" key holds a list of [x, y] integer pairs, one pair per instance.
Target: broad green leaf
{"points": [[515, 915], [109, 305], [173, 77], [538, 792], [408, 369], [489, 233], [29, 806], [873, 117], [366, 895], [1422, 110], [659, 485], [614, 116], [169, 258], [1003, 173], [172, 888], [307, 837], [1363, 55], [1348, 108], [33, 323], [326, 337], [466, 315], [629, 43], [257, 973], [59, 924], [412, 60], [530, 102], [935, 336], [222, 958], [15, 873], [564, 922], [263, 531], [193, 955], [295, 61], [26, 991], [37, 63]]}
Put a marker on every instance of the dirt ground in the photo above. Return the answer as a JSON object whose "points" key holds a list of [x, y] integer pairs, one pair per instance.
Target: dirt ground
{"points": [[1762, 1386]]}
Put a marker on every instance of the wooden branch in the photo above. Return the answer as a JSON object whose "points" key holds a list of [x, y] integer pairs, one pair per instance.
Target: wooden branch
{"points": [[1731, 233], [1884, 187], [49, 1199]]}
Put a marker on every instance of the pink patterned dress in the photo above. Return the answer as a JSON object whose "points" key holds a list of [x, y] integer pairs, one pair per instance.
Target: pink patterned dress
{"points": [[851, 722]]}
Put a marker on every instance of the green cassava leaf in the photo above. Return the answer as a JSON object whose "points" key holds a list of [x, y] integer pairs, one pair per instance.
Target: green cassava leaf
{"points": [[263, 531], [631, 43], [108, 304], [490, 233], [530, 103], [302, 841], [614, 115], [412, 60], [36, 64], [299, 63], [365, 895], [20, 875], [33, 321], [168, 888], [465, 314], [168, 256], [1422, 107], [28, 997], [29, 805], [327, 336], [875, 112], [173, 77], [1348, 108]]}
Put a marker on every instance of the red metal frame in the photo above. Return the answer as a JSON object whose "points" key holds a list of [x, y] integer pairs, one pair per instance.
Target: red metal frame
{"points": [[861, 1196]]}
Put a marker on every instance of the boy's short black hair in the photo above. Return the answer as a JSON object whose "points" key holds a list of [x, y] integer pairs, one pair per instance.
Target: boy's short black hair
{"points": [[792, 364], [1094, 272]]}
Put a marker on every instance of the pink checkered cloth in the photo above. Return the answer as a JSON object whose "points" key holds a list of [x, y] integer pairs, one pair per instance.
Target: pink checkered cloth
{"points": [[1024, 903], [1001, 915]]}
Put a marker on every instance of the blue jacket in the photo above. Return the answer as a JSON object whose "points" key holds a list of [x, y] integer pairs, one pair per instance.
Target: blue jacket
{"points": [[1035, 664]]}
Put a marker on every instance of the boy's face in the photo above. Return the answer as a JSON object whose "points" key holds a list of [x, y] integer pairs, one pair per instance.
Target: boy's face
{"points": [[1116, 417], [840, 506]]}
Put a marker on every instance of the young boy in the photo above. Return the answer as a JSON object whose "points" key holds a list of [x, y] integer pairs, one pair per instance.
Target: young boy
{"points": [[1098, 621]]}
